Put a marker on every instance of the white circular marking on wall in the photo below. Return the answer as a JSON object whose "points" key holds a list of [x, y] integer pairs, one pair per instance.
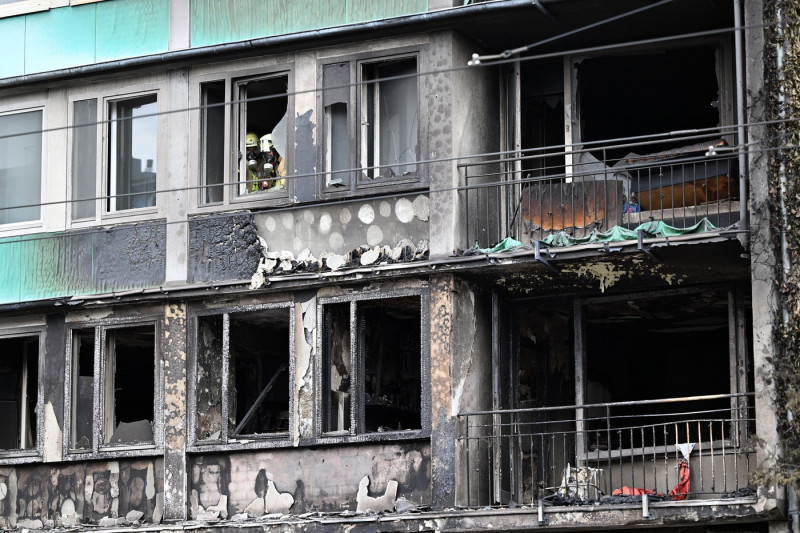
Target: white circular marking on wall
{"points": [[422, 207], [385, 209], [366, 214], [271, 223], [404, 210], [308, 216], [345, 216], [287, 220], [336, 241], [374, 235], [325, 223]]}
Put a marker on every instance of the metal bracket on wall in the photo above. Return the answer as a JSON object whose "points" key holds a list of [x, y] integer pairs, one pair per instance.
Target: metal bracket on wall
{"points": [[646, 249], [537, 254]]}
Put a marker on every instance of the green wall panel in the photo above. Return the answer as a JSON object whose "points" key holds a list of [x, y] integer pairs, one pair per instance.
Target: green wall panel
{"points": [[215, 22], [128, 28], [12, 42], [59, 38]]}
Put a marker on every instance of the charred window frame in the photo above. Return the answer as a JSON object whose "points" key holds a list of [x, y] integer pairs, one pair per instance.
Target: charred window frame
{"points": [[372, 377], [370, 123], [231, 106], [113, 389], [562, 356], [242, 380], [21, 395]]}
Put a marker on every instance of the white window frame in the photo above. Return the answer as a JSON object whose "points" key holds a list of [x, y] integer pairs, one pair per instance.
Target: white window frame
{"points": [[35, 223]]}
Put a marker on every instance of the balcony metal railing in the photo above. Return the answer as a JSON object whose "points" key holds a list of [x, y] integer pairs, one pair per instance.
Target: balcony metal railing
{"points": [[584, 453], [577, 190]]}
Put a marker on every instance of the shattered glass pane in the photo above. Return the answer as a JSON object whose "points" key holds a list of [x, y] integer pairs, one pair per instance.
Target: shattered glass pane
{"points": [[336, 389], [209, 378]]}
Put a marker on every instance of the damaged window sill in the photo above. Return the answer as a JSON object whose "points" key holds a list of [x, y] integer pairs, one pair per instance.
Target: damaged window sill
{"points": [[112, 452], [276, 441], [340, 437], [8, 457]]}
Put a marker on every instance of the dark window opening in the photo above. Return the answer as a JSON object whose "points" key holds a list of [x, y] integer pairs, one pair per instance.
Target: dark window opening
{"points": [[642, 94], [82, 389], [371, 363], [259, 369], [264, 142], [209, 378], [338, 372], [130, 386], [670, 347], [213, 116], [542, 108], [391, 353], [18, 392]]}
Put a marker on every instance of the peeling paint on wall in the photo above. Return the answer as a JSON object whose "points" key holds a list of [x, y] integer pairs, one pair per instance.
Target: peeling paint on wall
{"points": [[605, 273]]}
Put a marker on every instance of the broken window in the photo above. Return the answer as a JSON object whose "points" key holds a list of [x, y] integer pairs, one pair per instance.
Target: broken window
{"points": [[658, 92], [132, 150], [371, 366], [242, 370], [630, 349], [20, 167], [263, 140], [19, 385], [389, 119], [112, 389]]}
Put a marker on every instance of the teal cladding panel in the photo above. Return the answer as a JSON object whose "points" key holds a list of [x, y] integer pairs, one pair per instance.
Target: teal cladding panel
{"points": [[215, 22], [56, 265], [12, 42], [131, 28], [59, 38]]}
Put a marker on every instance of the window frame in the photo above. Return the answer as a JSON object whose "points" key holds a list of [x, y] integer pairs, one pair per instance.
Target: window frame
{"points": [[23, 7], [234, 80], [104, 95], [360, 184], [245, 442], [29, 455], [9, 110], [108, 146], [99, 448], [357, 364]]}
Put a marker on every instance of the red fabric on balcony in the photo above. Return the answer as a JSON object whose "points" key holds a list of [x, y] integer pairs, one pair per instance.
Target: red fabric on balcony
{"points": [[678, 492]]}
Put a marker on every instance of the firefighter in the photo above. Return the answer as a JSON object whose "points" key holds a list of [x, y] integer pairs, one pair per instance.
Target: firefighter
{"points": [[273, 162], [254, 161]]}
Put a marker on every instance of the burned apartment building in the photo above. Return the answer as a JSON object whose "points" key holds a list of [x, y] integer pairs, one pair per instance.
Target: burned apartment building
{"points": [[419, 265]]}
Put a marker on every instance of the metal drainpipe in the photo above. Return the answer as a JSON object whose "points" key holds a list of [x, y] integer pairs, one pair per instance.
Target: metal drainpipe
{"points": [[740, 120]]}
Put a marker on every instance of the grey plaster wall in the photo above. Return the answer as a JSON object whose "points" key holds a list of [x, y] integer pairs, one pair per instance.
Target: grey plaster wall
{"points": [[340, 228]]}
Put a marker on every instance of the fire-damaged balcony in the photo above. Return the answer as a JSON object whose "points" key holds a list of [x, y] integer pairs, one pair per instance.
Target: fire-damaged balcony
{"points": [[601, 191], [640, 452]]}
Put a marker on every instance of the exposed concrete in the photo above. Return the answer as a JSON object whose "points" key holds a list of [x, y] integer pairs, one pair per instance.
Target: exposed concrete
{"points": [[370, 504], [765, 299], [306, 342], [175, 402], [443, 481], [175, 203]]}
